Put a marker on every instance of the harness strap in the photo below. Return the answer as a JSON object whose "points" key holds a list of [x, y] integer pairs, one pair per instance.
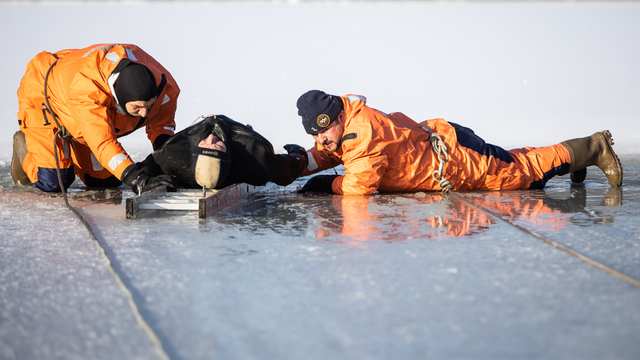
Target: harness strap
{"points": [[62, 132], [440, 148]]}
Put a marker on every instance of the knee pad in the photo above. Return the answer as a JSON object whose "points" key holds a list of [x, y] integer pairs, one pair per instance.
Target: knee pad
{"points": [[48, 179]]}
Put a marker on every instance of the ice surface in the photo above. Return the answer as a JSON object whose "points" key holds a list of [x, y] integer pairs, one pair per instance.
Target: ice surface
{"points": [[57, 299], [286, 276], [289, 276]]}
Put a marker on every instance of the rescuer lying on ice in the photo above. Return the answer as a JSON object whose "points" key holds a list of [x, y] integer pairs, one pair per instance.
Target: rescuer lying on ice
{"points": [[392, 153], [217, 152], [83, 101]]}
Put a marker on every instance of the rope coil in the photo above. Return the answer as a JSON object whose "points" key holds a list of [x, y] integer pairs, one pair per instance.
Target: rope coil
{"points": [[440, 148]]}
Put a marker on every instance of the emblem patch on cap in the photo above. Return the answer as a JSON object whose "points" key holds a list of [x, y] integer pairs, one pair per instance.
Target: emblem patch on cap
{"points": [[323, 120]]}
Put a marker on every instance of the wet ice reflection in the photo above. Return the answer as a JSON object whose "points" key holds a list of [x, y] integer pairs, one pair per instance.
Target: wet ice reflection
{"points": [[397, 218], [553, 209], [354, 220], [430, 216]]}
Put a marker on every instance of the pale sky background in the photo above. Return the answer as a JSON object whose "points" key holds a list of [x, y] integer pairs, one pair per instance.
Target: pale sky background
{"points": [[523, 74]]}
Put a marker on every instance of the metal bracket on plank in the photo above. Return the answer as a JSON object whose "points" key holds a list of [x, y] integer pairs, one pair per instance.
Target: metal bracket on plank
{"points": [[205, 204]]}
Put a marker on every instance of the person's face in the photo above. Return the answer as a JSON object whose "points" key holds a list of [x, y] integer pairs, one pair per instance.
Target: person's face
{"points": [[140, 108], [331, 137]]}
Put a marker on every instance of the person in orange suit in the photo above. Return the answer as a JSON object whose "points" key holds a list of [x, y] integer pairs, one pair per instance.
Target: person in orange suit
{"points": [[389, 152], [83, 100]]}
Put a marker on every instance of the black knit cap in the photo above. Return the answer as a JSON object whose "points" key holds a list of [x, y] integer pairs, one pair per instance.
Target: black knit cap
{"points": [[318, 110], [135, 82]]}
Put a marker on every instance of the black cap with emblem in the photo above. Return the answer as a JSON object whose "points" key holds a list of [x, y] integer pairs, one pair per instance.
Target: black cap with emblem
{"points": [[318, 110]]}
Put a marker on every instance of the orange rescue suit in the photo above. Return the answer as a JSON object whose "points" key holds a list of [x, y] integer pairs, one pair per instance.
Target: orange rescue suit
{"points": [[80, 87], [392, 153]]}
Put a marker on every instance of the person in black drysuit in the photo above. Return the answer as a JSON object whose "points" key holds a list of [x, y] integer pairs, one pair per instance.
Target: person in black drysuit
{"points": [[218, 152]]}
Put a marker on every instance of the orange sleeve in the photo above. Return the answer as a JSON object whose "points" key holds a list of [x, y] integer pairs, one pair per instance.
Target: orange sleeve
{"points": [[362, 176], [319, 160], [365, 163], [162, 115]]}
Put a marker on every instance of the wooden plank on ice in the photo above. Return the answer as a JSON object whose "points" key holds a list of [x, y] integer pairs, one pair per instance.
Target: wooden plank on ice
{"points": [[224, 198]]}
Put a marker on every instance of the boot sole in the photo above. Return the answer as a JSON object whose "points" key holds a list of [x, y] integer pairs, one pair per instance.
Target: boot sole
{"points": [[18, 174], [609, 143]]}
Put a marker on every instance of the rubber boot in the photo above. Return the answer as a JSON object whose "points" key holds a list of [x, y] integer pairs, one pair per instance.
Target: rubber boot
{"points": [[595, 150], [19, 153]]}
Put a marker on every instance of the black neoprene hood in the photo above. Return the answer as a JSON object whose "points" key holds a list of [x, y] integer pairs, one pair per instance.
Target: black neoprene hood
{"points": [[135, 83]]}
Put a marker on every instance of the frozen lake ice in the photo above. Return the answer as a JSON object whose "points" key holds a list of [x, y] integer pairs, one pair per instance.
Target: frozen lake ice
{"points": [[288, 276]]}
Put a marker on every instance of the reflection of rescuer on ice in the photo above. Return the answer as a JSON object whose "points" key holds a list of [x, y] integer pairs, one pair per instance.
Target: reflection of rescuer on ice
{"points": [[86, 99], [392, 153]]}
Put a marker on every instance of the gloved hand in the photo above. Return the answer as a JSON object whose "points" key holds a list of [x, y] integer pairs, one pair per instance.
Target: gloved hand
{"points": [[295, 149], [299, 151], [319, 183], [140, 181], [150, 166], [160, 140]]}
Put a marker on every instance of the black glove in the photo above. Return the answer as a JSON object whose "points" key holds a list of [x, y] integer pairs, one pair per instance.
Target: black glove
{"points": [[141, 182], [319, 183], [293, 149]]}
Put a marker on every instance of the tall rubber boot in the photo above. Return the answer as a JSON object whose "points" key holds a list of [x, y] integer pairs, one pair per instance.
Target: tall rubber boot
{"points": [[19, 153], [595, 150]]}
